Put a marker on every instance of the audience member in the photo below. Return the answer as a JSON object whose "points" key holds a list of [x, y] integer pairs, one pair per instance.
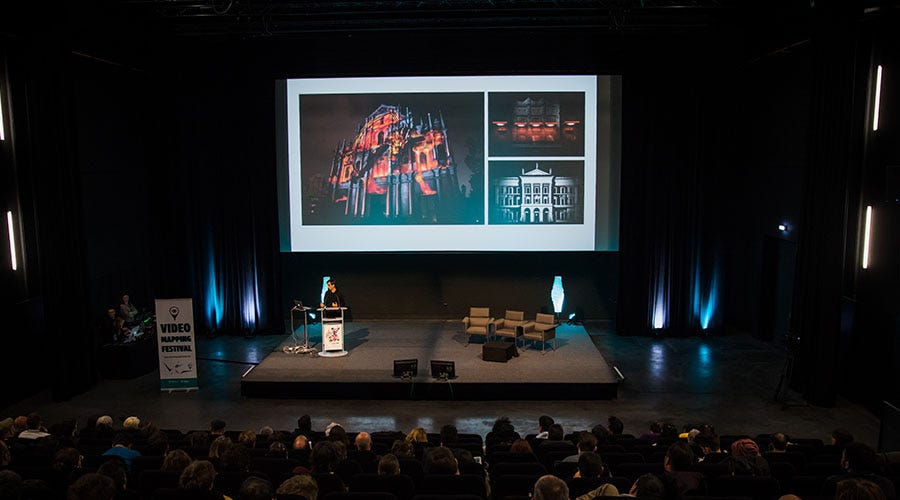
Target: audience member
{"points": [[616, 427], [388, 465], [176, 461], [216, 428], [403, 449], [300, 443], [746, 460], [677, 463], [601, 433], [709, 445], [520, 446], [92, 486], [653, 434], [363, 453], [779, 442], [417, 435], [38, 489], [104, 427], [304, 426], [859, 461], [554, 433], [503, 432], [648, 486], [20, 423], [247, 439], [219, 446], [586, 442], [325, 457], [441, 460], [277, 449], [157, 444], [115, 470], [449, 435], [336, 433], [255, 488], [35, 428], [550, 487], [236, 459], [127, 310], [299, 485], [198, 476], [121, 447], [590, 465], [841, 438], [6, 426], [112, 328], [544, 423], [265, 433], [858, 489]]}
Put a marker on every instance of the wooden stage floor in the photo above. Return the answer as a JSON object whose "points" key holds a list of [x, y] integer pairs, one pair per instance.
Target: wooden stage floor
{"points": [[576, 370]]}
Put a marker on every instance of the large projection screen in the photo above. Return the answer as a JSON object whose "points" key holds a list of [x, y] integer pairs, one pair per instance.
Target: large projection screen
{"points": [[458, 164]]}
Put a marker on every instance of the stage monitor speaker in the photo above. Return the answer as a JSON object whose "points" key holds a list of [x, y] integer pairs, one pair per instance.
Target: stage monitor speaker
{"points": [[406, 368], [443, 370]]}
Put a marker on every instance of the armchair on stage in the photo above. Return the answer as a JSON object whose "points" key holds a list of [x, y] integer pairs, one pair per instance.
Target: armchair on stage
{"points": [[542, 329], [479, 322], [510, 326]]}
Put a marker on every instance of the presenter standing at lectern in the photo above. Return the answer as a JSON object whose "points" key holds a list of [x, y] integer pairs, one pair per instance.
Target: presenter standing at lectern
{"points": [[333, 298]]}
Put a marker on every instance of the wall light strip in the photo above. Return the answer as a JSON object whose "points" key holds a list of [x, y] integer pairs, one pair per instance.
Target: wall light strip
{"points": [[868, 234], [2, 130], [12, 241], [877, 98]]}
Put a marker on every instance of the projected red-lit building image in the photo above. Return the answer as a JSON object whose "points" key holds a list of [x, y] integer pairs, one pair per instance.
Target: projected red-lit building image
{"points": [[536, 123], [546, 192], [398, 168]]}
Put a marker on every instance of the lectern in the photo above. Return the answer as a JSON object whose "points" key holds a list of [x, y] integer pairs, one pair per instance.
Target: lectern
{"points": [[332, 331], [297, 347]]}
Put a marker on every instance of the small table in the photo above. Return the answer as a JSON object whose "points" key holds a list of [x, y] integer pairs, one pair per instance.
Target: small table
{"points": [[498, 350]]}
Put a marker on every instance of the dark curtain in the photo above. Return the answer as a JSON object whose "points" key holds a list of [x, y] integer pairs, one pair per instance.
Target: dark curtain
{"points": [[60, 348], [668, 276], [226, 172], [833, 161]]}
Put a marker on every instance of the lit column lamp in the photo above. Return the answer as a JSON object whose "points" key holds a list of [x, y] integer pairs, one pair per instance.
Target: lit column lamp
{"points": [[867, 237], [877, 110], [557, 295], [13, 261]]}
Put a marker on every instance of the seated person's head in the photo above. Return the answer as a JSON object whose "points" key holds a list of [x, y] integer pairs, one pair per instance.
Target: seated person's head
{"points": [[301, 443], [601, 433], [299, 485], [388, 465], [176, 461], [449, 434], [91, 486], [858, 457], [708, 442], [550, 487], [198, 476], [590, 464], [586, 442], [648, 486], [679, 456], [858, 489], [616, 426], [325, 457], [363, 441], [403, 449], [779, 442], [841, 437], [520, 446], [555, 433], [544, 423], [440, 460], [255, 488]]}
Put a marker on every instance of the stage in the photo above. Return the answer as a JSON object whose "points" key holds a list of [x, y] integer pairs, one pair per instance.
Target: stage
{"points": [[576, 370]]}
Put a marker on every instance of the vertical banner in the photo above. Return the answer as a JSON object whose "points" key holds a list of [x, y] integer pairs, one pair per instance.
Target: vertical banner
{"points": [[175, 335]]}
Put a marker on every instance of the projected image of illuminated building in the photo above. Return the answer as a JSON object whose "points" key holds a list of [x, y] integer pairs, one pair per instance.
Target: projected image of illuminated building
{"points": [[536, 196], [541, 123], [397, 169]]}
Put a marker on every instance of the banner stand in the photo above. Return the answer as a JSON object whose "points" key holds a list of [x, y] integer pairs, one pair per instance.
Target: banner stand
{"points": [[175, 335]]}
